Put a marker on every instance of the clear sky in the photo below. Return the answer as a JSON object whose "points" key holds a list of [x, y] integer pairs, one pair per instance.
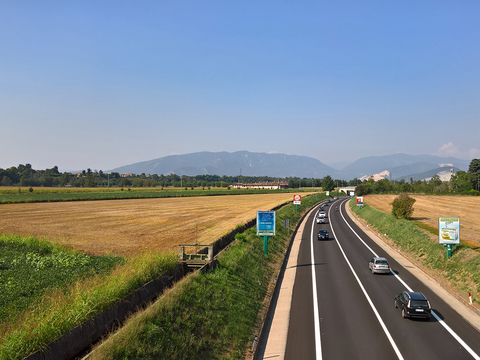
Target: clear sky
{"points": [[101, 84]]}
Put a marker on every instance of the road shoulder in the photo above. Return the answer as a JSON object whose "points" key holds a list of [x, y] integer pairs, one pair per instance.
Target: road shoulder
{"points": [[274, 340]]}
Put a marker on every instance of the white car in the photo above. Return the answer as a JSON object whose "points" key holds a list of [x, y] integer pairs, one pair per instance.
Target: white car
{"points": [[320, 220]]}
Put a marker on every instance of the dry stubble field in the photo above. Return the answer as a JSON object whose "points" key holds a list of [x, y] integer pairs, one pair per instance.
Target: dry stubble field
{"points": [[129, 227], [428, 208]]}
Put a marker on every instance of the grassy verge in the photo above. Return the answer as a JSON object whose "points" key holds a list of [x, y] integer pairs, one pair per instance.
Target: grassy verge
{"points": [[214, 315], [60, 309], [60, 194], [462, 270], [29, 266]]}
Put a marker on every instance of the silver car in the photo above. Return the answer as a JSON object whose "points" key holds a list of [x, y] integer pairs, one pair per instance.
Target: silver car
{"points": [[379, 265]]}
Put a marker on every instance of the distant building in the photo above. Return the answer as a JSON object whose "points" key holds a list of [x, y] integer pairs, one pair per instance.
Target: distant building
{"points": [[271, 185], [127, 175]]}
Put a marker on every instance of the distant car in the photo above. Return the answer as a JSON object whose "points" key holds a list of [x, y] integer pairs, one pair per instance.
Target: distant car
{"points": [[323, 235], [413, 304], [326, 204], [379, 265], [322, 214], [321, 220]]}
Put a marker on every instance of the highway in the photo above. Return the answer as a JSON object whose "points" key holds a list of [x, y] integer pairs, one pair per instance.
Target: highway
{"points": [[340, 310]]}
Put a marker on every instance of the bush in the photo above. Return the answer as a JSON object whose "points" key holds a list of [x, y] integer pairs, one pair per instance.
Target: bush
{"points": [[402, 206]]}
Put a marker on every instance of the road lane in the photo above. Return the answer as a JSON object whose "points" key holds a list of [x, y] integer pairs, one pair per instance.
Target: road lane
{"points": [[348, 325], [347, 330]]}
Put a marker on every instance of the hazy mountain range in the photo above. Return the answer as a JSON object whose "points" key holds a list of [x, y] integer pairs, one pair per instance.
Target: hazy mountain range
{"points": [[281, 165]]}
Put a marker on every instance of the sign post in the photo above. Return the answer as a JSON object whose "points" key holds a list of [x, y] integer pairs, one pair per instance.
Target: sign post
{"points": [[360, 202], [449, 233], [297, 200], [265, 227], [286, 225]]}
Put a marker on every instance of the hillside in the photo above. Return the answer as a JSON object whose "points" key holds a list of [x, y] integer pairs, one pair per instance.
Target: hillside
{"points": [[232, 164]]}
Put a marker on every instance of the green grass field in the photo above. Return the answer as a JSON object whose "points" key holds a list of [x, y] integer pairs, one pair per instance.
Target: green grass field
{"points": [[29, 266]]}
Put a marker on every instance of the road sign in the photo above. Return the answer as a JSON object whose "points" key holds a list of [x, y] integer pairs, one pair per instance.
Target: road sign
{"points": [[359, 200], [297, 199], [266, 223], [449, 230]]}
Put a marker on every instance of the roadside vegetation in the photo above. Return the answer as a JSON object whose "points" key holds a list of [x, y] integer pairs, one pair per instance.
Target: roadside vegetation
{"points": [[461, 271], [215, 315], [402, 206], [29, 266], [50, 296]]}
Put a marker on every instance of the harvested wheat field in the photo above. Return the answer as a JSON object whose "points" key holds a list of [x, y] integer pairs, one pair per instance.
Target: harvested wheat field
{"points": [[127, 227], [428, 208]]}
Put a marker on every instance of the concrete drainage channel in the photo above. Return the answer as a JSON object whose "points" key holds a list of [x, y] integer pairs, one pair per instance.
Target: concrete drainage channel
{"points": [[78, 341]]}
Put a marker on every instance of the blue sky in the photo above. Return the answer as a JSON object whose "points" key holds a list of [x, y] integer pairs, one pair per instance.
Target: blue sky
{"points": [[101, 84]]}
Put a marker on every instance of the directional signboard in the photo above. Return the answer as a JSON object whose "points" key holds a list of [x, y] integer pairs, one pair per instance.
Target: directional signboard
{"points": [[266, 223]]}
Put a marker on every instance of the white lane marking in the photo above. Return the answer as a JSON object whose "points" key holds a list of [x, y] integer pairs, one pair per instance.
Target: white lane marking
{"points": [[316, 317], [379, 318], [448, 328]]}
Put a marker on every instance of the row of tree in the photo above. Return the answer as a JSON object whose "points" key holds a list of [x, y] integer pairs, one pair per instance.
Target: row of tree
{"points": [[463, 182], [26, 176]]}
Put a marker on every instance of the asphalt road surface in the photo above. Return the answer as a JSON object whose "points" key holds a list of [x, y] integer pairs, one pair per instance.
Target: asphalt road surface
{"points": [[340, 310]]}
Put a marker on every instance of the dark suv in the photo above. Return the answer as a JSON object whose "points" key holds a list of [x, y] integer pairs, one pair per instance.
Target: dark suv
{"points": [[413, 304], [323, 235]]}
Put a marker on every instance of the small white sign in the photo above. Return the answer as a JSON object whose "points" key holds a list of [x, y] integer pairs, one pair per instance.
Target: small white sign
{"points": [[449, 230]]}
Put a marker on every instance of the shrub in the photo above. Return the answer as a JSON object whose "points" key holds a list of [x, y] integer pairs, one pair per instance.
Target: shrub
{"points": [[402, 206]]}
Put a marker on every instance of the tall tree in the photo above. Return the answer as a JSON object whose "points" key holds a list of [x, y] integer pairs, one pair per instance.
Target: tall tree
{"points": [[327, 183], [474, 171]]}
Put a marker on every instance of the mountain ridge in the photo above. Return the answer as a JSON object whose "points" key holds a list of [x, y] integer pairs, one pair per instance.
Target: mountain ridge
{"points": [[282, 165]]}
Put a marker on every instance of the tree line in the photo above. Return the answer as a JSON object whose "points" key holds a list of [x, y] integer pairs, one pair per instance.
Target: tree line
{"points": [[26, 176], [463, 182]]}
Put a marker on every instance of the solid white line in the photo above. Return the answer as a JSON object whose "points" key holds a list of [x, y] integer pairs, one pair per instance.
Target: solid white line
{"points": [[453, 333], [379, 318], [316, 317]]}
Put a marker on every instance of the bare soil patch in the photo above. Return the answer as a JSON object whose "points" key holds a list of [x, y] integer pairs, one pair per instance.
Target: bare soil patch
{"points": [[428, 208], [128, 227]]}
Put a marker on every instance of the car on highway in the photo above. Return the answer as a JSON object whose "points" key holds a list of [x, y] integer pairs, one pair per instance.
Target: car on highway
{"points": [[323, 235], [413, 304], [379, 265], [322, 214], [321, 220]]}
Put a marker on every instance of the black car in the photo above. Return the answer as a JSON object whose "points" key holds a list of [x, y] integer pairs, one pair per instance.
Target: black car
{"points": [[413, 304], [323, 235]]}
